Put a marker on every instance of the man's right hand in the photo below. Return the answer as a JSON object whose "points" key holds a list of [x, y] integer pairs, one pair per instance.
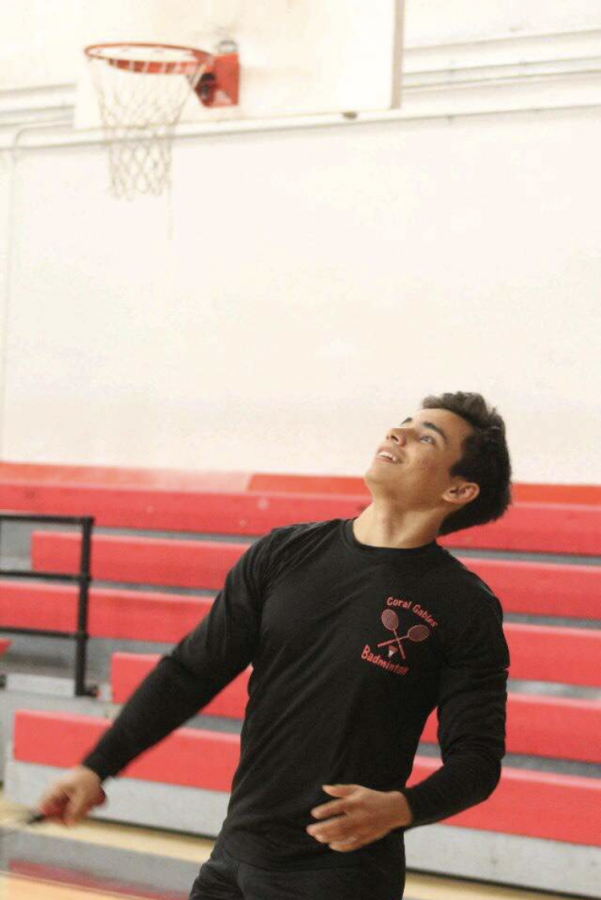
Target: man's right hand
{"points": [[70, 798]]}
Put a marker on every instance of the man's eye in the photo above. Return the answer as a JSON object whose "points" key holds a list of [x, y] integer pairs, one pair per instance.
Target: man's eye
{"points": [[427, 436]]}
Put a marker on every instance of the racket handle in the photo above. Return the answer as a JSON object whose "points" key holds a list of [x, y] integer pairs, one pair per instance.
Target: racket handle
{"points": [[35, 817]]}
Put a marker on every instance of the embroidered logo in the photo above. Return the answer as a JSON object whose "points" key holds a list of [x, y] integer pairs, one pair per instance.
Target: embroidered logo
{"points": [[416, 634]]}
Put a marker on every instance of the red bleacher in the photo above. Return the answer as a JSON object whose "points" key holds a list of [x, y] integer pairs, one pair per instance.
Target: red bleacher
{"points": [[113, 613], [129, 669], [155, 561], [538, 725], [61, 739], [526, 587], [551, 519], [546, 518], [58, 739], [554, 653], [156, 616]]}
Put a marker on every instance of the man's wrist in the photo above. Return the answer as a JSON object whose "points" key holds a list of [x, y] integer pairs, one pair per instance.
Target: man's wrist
{"points": [[403, 812]]}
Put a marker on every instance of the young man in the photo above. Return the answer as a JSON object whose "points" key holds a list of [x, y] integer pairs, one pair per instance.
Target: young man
{"points": [[356, 629]]}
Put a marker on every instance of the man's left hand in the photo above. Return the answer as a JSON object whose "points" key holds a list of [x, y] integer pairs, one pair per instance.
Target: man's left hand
{"points": [[360, 816]]}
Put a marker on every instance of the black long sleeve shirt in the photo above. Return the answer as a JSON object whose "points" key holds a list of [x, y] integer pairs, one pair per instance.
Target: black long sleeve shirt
{"points": [[352, 646]]}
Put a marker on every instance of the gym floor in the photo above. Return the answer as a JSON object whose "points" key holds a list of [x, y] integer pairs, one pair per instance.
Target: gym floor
{"points": [[101, 859]]}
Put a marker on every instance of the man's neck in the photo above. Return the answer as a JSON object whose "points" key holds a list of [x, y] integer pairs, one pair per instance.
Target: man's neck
{"points": [[380, 526]]}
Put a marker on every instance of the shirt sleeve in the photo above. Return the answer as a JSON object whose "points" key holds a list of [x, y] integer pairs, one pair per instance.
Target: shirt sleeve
{"points": [[472, 706], [220, 647]]}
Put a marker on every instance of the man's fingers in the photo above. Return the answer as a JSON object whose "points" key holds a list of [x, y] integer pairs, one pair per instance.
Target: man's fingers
{"points": [[333, 830], [334, 808], [341, 790], [345, 846], [80, 805], [70, 804], [54, 801], [72, 796], [74, 810]]}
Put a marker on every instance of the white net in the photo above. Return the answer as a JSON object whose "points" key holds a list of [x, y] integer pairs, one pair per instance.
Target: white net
{"points": [[141, 91]]}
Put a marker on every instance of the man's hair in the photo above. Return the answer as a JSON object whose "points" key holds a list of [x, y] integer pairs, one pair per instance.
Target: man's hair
{"points": [[485, 460]]}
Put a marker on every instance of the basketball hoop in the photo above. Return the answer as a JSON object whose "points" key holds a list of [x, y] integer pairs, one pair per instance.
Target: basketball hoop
{"points": [[142, 90]]}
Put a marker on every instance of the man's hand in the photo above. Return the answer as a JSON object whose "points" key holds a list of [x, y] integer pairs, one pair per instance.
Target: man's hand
{"points": [[360, 816], [71, 797]]}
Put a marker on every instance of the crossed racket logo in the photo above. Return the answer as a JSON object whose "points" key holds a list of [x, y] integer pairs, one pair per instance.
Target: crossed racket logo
{"points": [[416, 633]]}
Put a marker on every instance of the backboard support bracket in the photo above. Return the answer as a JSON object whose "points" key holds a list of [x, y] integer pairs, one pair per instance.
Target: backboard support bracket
{"points": [[220, 83]]}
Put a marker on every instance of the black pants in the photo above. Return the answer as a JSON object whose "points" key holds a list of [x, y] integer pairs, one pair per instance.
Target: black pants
{"points": [[222, 877]]}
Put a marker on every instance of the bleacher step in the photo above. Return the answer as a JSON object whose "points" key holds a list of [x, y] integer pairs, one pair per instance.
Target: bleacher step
{"points": [[461, 852]]}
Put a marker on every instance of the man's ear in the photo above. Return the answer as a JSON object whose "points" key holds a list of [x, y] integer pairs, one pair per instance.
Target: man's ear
{"points": [[463, 493]]}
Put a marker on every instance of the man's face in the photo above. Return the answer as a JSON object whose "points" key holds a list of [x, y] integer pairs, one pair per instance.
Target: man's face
{"points": [[425, 446]]}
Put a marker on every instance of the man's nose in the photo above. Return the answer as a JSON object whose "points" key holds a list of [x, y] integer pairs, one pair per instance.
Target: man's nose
{"points": [[397, 435]]}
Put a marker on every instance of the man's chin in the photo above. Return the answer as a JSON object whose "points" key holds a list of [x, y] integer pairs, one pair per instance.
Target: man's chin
{"points": [[380, 470], [374, 477]]}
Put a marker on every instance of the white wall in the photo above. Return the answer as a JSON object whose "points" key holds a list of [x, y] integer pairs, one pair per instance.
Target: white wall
{"points": [[302, 289], [41, 41]]}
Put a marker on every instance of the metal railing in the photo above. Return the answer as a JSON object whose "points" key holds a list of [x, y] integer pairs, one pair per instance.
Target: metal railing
{"points": [[83, 579]]}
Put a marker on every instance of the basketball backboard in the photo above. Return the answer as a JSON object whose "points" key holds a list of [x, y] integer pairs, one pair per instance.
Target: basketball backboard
{"points": [[297, 57]]}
